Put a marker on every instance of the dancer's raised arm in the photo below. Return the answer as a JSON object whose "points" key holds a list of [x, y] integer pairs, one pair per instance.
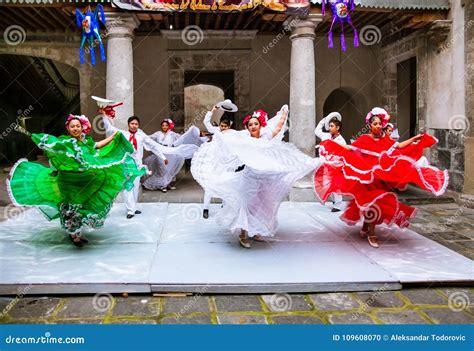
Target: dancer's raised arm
{"points": [[207, 121], [281, 122], [105, 141], [409, 141], [151, 145]]}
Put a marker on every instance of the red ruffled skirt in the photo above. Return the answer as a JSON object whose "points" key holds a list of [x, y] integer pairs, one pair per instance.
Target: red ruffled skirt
{"points": [[370, 176]]}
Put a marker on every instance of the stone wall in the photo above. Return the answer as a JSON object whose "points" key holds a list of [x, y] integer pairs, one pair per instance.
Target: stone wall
{"points": [[399, 51], [469, 95], [440, 105], [449, 154]]}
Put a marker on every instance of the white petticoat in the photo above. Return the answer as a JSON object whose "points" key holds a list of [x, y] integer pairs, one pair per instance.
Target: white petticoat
{"points": [[252, 195]]}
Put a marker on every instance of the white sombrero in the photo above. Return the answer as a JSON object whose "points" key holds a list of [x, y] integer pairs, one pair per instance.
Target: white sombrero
{"points": [[227, 106], [331, 116], [103, 102]]}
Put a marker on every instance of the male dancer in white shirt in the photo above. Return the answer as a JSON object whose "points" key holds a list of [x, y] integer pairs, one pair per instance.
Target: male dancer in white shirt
{"points": [[140, 141], [224, 124], [332, 123]]}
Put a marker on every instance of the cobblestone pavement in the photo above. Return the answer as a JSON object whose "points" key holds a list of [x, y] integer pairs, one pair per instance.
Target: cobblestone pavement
{"points": [[449, 224]]}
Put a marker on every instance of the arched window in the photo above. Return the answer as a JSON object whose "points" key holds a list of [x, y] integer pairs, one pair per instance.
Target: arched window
{"points": [[351, 106]]}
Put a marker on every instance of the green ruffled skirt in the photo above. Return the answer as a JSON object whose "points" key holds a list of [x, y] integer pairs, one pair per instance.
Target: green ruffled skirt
{"points": [[82, 183]]}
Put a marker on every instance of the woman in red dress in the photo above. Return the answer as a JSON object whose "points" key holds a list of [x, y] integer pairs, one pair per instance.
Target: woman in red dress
{"points": [[370, 169]]}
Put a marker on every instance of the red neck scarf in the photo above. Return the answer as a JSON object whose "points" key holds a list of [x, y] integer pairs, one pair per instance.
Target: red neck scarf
{"points": [[133, 139]]}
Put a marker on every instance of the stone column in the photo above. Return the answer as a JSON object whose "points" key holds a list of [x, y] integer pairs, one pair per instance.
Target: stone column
{"points": [[303, 96], [302, 83], [468, 191], [119, 83]]}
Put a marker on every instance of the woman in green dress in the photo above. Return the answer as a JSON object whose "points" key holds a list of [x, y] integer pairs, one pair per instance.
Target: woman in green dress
{"points": [[84, 178]]}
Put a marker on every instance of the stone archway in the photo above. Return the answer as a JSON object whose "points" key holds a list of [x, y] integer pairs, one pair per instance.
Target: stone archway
{"points": [[351, 106], [61, 52], [198, 61]]}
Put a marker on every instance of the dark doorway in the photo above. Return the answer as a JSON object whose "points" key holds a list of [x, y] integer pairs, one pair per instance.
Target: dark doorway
{"points": [[406, 98], [36, 94]]}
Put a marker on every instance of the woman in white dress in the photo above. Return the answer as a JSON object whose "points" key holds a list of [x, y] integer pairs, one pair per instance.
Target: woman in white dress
{"points": [[251, 171], [163, 176]]}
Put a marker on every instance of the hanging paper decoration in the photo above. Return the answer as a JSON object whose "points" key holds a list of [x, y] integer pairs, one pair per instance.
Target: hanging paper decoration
{"points": [[89, 24], [341, 12]]}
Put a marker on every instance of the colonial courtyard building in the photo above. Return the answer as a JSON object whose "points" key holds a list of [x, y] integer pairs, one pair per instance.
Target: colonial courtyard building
{"points": [[174, 60]]}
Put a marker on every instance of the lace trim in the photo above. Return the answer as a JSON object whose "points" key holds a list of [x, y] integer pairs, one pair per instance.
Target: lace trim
{"points": [[333, 159]]}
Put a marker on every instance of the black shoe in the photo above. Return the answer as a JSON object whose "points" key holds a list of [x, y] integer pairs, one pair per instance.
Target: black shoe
{"points": [[205, 213], [130, 216], [335, 209], [76, 243], [138, 212]]}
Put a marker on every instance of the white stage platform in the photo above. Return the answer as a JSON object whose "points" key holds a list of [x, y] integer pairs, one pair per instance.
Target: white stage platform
{"points": [[171, 248]]}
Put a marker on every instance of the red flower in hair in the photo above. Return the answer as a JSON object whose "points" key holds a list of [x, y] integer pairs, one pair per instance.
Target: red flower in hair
{"points": [[261, 115], [170, 123], [85, 123]]}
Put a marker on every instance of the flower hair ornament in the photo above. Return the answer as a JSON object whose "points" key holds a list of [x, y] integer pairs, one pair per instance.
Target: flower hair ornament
{"points": [[169, 121], [85, 123], [261, 115], [380, 112]]}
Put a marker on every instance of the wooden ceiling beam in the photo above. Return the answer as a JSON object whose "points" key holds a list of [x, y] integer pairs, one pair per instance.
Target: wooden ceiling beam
{"points": [[167, 21], [26, 13], [176, 21], [51, 20], [218, 21], [239, 20], [280, 17], [207, 21], [144, 17], [17, 19], [227, 21], [198, 19], [186, 19]]}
